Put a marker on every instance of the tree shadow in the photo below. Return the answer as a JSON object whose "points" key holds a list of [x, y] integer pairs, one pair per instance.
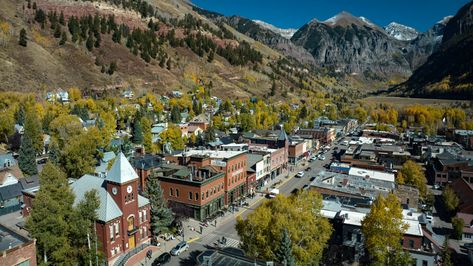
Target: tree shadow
{"points": [[191, 259]]}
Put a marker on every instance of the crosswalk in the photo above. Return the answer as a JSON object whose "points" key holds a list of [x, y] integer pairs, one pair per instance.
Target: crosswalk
{"points": [[212, 238]]}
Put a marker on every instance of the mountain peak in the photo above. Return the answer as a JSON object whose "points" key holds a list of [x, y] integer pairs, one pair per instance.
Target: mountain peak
{"points": [[286, 33], [345, 18], [445, 20], [401, 32]]}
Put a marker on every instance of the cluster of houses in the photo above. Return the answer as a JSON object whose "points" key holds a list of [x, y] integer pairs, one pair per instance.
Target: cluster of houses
{"points": [[367, 167]]}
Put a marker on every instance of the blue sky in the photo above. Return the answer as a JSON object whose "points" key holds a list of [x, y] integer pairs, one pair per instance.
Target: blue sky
{"points": [[420, 14]]}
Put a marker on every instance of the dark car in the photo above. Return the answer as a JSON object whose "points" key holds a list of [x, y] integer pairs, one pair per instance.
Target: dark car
{"points": [[162, 259], [308, 169], [312, 178]]}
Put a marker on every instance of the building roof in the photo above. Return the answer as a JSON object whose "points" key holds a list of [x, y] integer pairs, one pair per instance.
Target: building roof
{"points": [[6, 158], [146, 162], [108, 156], [10, 239], [212, 154], [108, 209], [121, 170], [227, 257], [142, 201], [10, 191], [371, 174], [202, 118]]}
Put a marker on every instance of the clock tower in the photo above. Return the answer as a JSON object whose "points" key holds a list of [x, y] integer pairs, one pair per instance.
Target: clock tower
{"points": [[122, 185]]}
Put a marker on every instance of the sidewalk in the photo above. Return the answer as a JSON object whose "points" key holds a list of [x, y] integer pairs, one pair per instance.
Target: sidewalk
{"points": [[192, 227]]}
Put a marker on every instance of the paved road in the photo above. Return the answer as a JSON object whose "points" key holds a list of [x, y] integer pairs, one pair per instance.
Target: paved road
{"points": [[227, 228]]}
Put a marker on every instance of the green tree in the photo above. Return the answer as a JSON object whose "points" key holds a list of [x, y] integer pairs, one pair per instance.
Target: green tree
{"points": [[137, 131], [33, 129], [273, 89], [27, 156], [147, 136], [20, 114], [457, 224], [160, 215], [209, 134], [300, 214], [82, 229], [23, 41], [7, 124], [50, 217], [54, 154], [173, 135], [63, 38], [284, 252], [175, 114], [78, 155], [383, 229], [412, 174], [450, 199]]}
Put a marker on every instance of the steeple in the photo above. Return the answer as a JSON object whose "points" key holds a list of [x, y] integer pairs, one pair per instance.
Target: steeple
{"points": [[121, 171]]}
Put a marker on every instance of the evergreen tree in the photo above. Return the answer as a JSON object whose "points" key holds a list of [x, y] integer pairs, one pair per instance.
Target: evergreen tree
{"points": [[20, 115], [169, 64], [160, 215], [61, 19], [284, 252], [63, 38], [27, 156], [209, 134], [137, 131], [112, 68], [57, 31], [23, 39], [273, 89], [89, 43], [50, 218], [175, 114]]}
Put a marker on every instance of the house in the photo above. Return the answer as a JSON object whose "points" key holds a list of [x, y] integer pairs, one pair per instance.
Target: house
{"points": [[16, 249], [464, 192], [260, 164], [201, 121], [297, 150], [144, 164], [123, 215], [447, 167], [128, 94]]}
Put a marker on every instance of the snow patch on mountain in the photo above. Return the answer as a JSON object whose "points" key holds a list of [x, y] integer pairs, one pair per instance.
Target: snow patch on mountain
{"points": [[445, 20], [286, 33], [401, 32]]}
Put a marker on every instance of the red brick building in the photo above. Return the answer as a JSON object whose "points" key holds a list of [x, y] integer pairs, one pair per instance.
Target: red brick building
{"points": [[324, 134], [193, 191], [123, 214], [232, 163]]}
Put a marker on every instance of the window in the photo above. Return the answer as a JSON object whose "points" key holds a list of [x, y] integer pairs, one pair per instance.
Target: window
{"points": [[203, 195], [207, 194], [117, 229], [140, 216], [358, 237], [425, 263], [411, 243], [110, 227], [170, 192], [196, 196], [190, 195], [144, 215], [177, 192], [215, 189], [131, 223], [349, 236]]}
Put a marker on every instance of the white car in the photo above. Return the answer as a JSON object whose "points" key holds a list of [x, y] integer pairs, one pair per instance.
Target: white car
{"points": [[322, 158], [179, 248], [300, 174]]}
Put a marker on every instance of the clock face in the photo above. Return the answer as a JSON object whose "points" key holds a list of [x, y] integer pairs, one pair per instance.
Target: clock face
{"points": [[129, 189], [114, 191]]}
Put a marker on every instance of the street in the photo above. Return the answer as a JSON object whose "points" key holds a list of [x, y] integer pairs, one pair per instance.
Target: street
{"points": [[227, 228]]}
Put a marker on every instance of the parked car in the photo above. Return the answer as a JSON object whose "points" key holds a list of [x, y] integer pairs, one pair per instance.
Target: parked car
{"points": [[437, 186], [322, 158], [305, 187], [300, 174], [428, 217], [308, 169], [312, 178], [179, 248], [162, 259]]}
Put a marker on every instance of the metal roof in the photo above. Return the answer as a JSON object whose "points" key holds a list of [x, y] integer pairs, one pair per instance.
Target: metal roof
{"points": [[121, 170]]}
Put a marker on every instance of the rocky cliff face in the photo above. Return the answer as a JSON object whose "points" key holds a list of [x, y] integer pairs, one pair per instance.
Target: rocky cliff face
{"points": [[354, 45], [401, 32], [448, 72]]}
